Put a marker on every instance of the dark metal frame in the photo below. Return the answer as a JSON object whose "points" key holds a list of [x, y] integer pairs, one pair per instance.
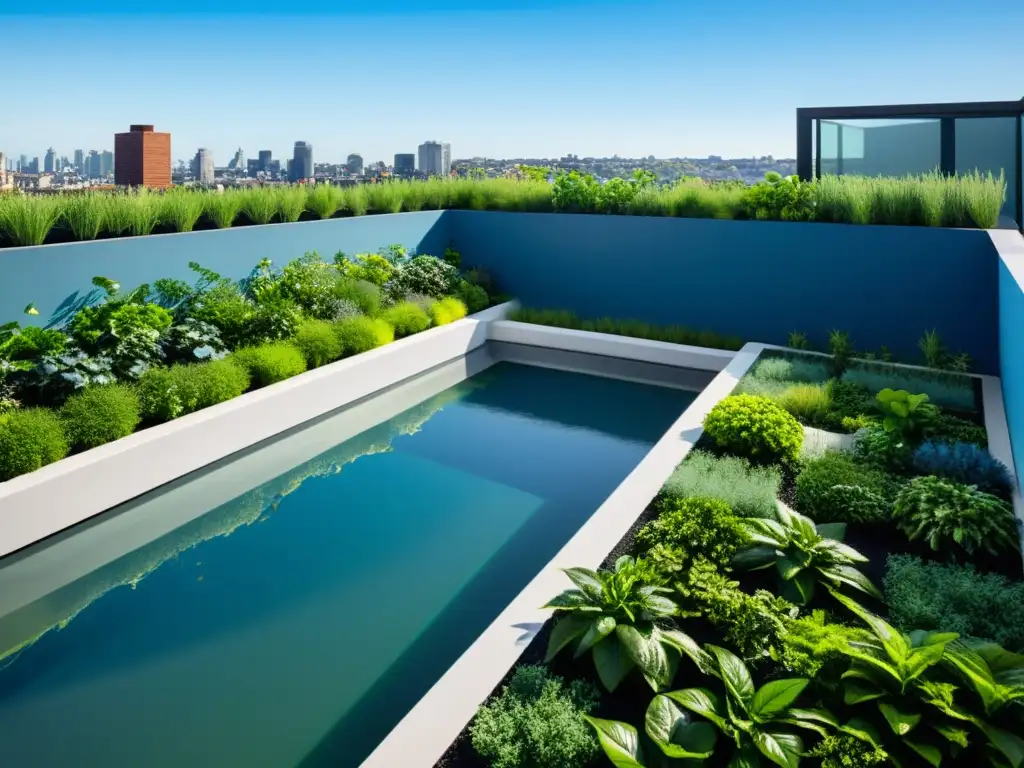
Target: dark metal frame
{"points": [[808, 132]]}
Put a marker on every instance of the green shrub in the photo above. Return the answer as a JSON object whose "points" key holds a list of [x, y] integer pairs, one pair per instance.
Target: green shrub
{"points": [[813, 647], [406, 318], [882, 448], [362, 293], [823, 490], [99, 415], [953, 518], [946, 390], [270, 363], [749, 491], [842, 751], [952, 429], [167, 393], [700, 526], [809, 403], [473, 296], [30, 343], [955, 598], [447, 310], [30, 439], [361, 334], [536, 722], [317, 342], [428, 275], [755, 427], [849, 400]]}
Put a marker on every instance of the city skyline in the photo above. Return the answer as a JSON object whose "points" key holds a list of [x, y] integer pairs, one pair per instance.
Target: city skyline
{"points": [[651, 78]]}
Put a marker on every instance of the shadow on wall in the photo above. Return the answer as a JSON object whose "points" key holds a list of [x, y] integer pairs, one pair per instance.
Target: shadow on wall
{"points": [[58, 278], [754, 279]]}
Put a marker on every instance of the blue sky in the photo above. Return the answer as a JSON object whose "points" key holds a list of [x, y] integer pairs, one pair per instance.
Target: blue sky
{"points": [[494, 77]]}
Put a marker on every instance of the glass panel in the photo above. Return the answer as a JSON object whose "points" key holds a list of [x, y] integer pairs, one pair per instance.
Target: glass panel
{"points": [[989, 145], [829, 147], [883, 147]]}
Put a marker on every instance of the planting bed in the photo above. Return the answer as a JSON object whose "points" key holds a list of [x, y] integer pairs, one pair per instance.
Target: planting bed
{"points": [[810, 450]]}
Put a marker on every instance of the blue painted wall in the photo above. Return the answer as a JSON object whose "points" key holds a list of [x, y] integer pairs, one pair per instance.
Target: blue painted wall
{"points": [[1011, 350], [56, 276], [758, 280]]}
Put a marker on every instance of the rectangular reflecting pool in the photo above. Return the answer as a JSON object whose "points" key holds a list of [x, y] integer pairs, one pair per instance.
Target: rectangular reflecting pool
{"points": [[286, 607]]}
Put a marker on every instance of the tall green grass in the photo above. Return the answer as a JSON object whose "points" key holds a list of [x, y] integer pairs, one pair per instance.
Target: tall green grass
{"points": [[968, 200]]}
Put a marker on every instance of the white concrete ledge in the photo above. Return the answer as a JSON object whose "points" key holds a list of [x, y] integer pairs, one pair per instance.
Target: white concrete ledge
{"points": [[609, 345], [46, 501], [424, 734]]}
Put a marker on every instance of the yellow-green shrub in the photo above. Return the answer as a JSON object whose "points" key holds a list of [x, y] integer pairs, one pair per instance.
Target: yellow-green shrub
{"points": [[755, 427], [100, 414], [447, 310], [270, 363], [407, 318], [317, 342], [361, 334], [167, 393], [30, 439]]}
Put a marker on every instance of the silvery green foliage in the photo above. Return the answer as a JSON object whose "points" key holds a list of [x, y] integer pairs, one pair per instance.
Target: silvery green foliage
{"points": [[193, 340], [427, 275], [56, 377]]}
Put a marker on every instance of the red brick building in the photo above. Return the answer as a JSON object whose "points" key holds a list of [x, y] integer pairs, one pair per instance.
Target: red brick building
{"points": [[142, 158]]}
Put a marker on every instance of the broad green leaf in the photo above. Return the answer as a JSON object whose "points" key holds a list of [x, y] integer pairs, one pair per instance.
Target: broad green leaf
{"points": [[611, 661], [735, 675], [803, 583], [879, 626], [599, 629], [847, 574], [775, 697], [766, 531], [1009, 744], [781, 748], [623, 562], [841, 552], [863, 730], [1007, 667], [620, 742], [704, 703], [788, 567], [685, 644], [646, 651], [930, 753], [813, 715], [31, 309], [659, 606], [855, 693], [672, 730], [566, 629], [746, 757], [921, 659], [835, 531], [573, 600], [901, 723], [975, 672], [756, 557], [588, 581]]}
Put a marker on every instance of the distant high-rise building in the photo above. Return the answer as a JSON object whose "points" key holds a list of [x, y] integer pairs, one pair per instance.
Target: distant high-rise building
{"points": [[302, 162], [142, 158], [274, 167], [203, 166], [79, 160], [355, 164], [106, 162], [23, 163], [435, 158], [266, 157], [50, 161], [252, 167], [405, 164], [94, 165], [33, 167], [238, 161]]}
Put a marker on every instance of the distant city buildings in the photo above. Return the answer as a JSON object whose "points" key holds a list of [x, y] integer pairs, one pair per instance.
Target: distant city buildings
{"points": [[79, 160], [106, 163], [301, 166], [405, 164], [93, 165], [50, 161], [142, 158], [435, 158], [237, 162], [202, 166], [355, 164]]}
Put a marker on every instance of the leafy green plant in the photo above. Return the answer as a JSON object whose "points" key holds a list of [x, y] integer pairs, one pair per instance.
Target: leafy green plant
{"points": [[99, 415], [810, 403], [954, 518], [537, 721], [619, 620], [953, 429], [361, 334], [270, 363], [824, 489], [907, 415], [473, 296], [757, 720], [427, 275], [749, 491], [843, 751], [192, 341], [946, 390], [798, 340], [883, 449], [841, 349], [703, 527], [30, 438], [318, 342], [447, 310], [813, 646], [364, 295], [803, 553], [755, 427], [934, 351], [371, 267], [574, 192], [849, 400], [406, 318], [948, 597], [779, 198], [168, 393], [31, 342]]}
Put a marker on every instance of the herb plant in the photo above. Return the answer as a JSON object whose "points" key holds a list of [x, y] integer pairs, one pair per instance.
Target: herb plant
{"points": [[755, 427], [904, 414], [701, 527]]}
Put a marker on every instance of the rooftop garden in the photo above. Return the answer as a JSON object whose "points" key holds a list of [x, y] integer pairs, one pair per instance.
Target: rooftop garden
{"points": [[832, 577], [158, 352], [970, 200]]}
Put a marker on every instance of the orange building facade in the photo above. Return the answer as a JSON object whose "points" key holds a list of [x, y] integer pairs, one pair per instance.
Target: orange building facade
{"points": [[142, 158]]}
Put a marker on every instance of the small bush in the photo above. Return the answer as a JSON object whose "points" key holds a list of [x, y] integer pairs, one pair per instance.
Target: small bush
{"points": [[406, 318], [955, 598], [317, 342], [473, 296], [30, 439], [882, 448], [842, 751], [429, 275], [168, 393], [823, 490], [954, 518], [362, 293], [809, 403], [755, 427], [850, 400], [99, 415], [963, 463], [361, 334], [447, 310], [797, 369], [537, 722], [699, 526], [952, 429], [270, 363], [749, 491]]}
